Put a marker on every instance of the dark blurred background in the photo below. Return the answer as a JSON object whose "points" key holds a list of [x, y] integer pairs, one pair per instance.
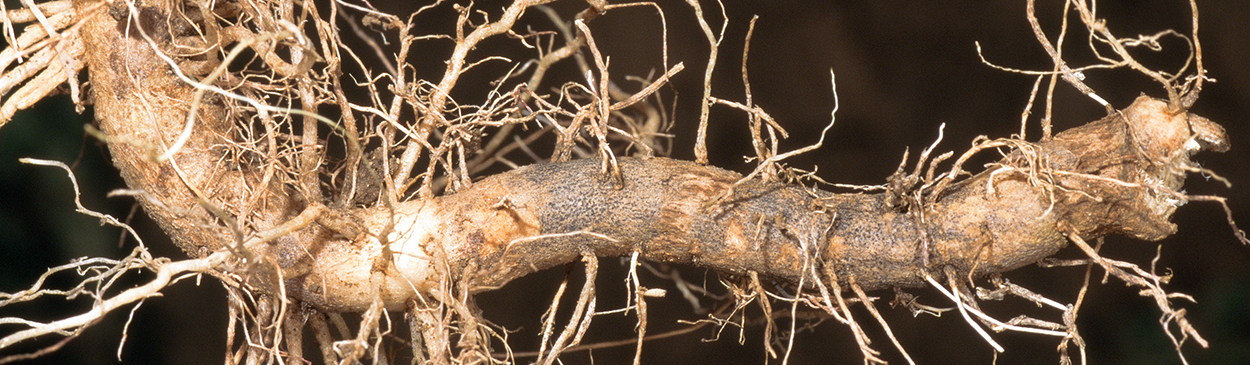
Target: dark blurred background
{"points": [[903, 68]]}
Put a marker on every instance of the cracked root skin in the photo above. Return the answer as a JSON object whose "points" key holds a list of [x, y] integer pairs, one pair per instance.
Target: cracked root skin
{"points": [[1109, 177]]}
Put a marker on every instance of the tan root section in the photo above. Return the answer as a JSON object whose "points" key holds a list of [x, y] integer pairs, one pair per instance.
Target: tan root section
{"points": [[298, 154]]}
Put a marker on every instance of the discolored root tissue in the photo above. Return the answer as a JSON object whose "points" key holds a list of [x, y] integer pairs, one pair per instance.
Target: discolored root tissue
{"points": [[252, 192], [1118, 175]]}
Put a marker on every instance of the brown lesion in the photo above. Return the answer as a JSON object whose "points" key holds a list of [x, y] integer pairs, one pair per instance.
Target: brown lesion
{"points": [[1088, 180]]}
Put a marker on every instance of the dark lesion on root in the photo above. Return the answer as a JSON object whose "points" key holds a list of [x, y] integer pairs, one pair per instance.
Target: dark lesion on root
{"points": [[1098, 179]]}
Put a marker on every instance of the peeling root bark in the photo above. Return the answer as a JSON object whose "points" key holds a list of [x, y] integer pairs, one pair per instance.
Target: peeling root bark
{"points": [[1113, 176]]}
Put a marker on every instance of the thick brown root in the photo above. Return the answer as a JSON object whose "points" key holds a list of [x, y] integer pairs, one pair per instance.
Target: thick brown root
{"points": [[1114, 176]]}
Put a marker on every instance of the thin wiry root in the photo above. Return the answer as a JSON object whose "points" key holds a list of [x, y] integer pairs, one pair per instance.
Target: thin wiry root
{"points": [[57, 50], [638, 294], [700, 149], [761, 297], [1151, 286], [103, 274], [842, 313], [579, 321], [872, 308]]}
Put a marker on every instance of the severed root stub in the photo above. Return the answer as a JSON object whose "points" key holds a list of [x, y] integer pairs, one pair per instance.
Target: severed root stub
{"points": [[1118, 175]]}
